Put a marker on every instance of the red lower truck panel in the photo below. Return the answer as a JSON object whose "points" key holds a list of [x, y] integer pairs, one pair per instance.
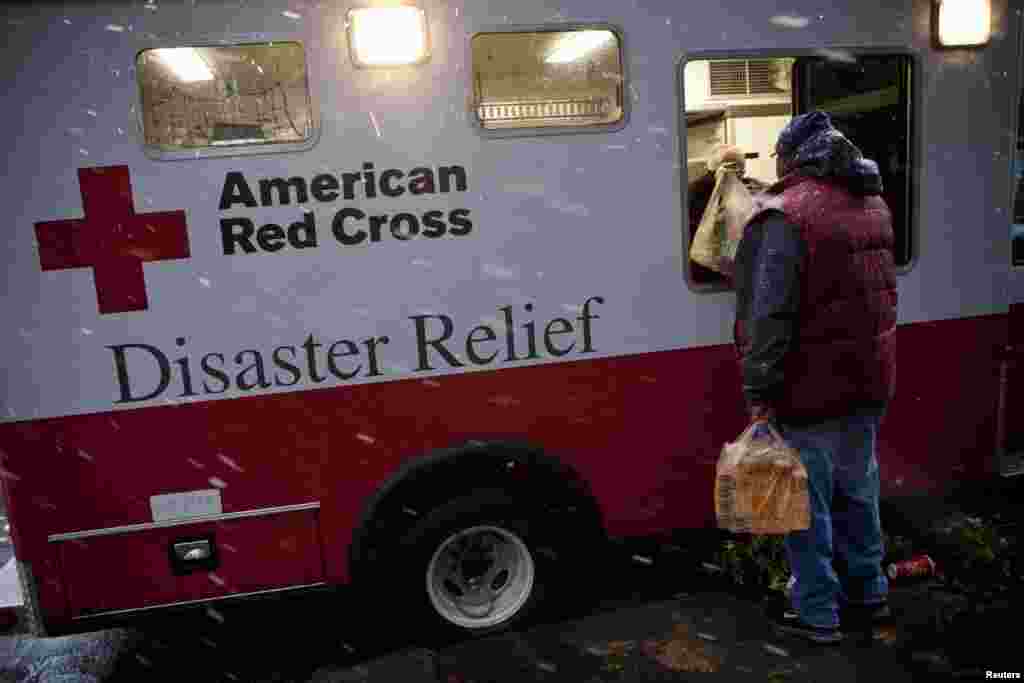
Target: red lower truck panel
{"points": [[124, 571], [644, 431]]}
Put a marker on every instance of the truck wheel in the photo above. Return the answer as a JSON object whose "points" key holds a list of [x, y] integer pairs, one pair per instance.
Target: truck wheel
{"points": [[476, 565]]}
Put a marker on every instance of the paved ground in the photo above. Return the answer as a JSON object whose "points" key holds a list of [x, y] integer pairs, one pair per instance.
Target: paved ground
{"points": [[674, 639], [633, 636]]}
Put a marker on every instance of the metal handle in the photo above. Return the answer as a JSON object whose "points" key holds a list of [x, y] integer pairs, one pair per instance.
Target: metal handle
{"points": [[188, 555], [193, 550]]}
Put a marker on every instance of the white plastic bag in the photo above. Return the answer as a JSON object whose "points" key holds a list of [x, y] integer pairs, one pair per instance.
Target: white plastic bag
{"points": [[761, 485], [721, 227]]}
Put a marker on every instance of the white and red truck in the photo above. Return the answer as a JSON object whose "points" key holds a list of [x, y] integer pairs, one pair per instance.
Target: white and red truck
{"points": [[314, 293]]}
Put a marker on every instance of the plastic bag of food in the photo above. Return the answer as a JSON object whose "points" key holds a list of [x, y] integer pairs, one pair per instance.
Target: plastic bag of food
{"points": [[721, 227], [761, 485]]}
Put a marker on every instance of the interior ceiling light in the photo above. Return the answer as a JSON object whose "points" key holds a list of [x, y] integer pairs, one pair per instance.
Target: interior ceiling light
{"points": [[572, 46], [186, 63]]}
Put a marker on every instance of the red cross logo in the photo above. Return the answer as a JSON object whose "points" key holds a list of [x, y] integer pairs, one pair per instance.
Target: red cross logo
{"points": [[112, 239]]}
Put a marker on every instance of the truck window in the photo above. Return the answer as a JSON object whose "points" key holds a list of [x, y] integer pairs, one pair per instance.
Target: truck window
{"points": [[747, 102], [206, 98], [547, 79]]}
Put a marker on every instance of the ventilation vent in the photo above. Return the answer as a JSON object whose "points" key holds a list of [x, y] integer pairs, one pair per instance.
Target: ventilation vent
{"points": [[747, 77]]}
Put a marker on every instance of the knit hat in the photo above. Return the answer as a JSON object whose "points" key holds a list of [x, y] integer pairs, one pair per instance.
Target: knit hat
{"points": [[812, 127], [810, 145]]}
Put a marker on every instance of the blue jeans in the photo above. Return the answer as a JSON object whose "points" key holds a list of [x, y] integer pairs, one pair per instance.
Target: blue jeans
{"points": [[839, 559]]}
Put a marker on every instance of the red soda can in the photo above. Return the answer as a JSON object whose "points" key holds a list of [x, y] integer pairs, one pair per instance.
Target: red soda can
{"points": [[922, 565]]}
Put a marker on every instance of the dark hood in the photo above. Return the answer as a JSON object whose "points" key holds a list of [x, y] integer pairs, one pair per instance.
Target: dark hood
{"points": [[830, 154], [811, 146]]}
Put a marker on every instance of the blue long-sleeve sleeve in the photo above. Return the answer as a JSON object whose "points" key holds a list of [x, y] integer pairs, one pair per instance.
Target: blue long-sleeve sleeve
{"points": [[767, 280]]}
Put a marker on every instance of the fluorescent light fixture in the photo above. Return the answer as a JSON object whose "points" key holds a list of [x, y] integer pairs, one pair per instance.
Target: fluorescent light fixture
{"points": [[239, 141], [572, 46], [964, 22], [186, 63], [388, 36]]}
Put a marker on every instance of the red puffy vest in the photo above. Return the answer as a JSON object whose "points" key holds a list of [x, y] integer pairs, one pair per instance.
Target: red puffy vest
{"points": [[843, 354]]}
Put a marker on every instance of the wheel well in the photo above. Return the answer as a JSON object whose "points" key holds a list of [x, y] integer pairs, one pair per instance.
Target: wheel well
{"points": [[523, 471]]}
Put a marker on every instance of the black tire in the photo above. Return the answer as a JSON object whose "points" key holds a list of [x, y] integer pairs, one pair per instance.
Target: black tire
{"points": [[412, 555]]}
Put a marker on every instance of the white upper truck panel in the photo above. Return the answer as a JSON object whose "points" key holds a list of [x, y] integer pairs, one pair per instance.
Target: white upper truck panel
{"points": [[389, 235]]}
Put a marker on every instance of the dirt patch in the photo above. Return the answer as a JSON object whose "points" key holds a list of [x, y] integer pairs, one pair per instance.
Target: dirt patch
{"points": [[682, 651]]}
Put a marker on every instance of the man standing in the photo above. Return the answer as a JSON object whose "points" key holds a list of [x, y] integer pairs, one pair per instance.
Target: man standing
{"points": [[816, 310]]}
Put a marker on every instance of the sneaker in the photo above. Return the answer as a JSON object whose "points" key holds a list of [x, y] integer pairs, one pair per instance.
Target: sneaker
{"points": [[788, 621]]}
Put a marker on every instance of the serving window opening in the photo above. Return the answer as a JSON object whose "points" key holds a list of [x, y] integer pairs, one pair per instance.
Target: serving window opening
{"points": [[746, 102]]}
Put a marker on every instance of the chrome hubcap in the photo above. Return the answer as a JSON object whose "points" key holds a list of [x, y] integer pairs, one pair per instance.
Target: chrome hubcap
{"points": [[480, 577]]}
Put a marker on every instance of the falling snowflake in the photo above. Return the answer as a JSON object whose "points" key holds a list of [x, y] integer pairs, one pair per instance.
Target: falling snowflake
{"points": [[569, 208], [837, 55], [116, 28], [229, 462], [291, 15], [366, 438], [790, 21], [500, 272], [217, 482]]}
